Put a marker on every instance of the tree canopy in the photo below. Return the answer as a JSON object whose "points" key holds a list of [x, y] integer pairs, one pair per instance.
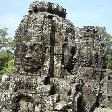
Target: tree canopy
{"points": [[6, 52]]}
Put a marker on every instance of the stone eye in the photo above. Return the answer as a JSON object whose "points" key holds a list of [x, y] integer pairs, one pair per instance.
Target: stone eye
{"points": [[24, 48], [32, 48], [37, 47]]}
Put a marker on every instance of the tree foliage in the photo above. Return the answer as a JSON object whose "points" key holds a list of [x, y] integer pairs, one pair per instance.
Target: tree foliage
{"points": [[6, 52]]}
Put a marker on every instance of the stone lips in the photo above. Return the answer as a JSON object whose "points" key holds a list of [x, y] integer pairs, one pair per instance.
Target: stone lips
{"points": [[52, 8]]}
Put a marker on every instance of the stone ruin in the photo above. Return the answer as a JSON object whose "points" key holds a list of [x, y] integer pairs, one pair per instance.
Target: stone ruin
{"points": [[57, 69]]}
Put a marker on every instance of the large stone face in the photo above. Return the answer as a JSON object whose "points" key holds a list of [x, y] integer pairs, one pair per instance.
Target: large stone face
{"points": [[44, 39], [56, 69]]}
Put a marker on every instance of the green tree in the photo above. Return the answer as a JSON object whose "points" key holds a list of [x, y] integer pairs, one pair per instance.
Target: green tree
{"points": [[6, 52]]}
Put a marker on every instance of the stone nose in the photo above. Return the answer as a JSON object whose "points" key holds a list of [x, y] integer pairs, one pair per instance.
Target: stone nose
{"points": [[28, 56]]}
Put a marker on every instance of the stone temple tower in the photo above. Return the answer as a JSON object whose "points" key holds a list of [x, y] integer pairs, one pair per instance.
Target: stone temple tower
{"points": [[44, 50], [56, 69]]}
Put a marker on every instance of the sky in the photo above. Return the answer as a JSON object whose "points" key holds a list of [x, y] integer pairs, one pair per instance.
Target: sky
{"points": [[79, 12]]}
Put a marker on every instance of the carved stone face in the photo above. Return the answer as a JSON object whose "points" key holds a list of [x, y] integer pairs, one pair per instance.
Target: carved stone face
{"points": [[86, 57], [26, 106], [4, 109], [23, 103], [32, 55]]}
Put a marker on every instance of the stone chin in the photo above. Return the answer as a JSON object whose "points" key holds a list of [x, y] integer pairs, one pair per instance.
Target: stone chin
{"points": [[32, 65]]}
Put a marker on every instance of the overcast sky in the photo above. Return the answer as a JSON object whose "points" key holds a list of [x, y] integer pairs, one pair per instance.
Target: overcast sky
{"points": [[80, 12]]}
